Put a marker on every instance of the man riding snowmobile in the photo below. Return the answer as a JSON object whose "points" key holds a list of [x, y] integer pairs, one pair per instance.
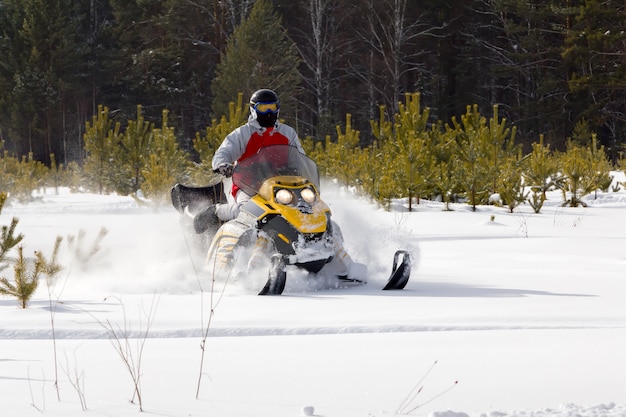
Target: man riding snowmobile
{"points": [[277, 218], [262, 129]]}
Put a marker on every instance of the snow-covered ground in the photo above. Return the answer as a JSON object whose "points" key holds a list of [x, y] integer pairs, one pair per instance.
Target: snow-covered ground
{"points": [[517, 314]]}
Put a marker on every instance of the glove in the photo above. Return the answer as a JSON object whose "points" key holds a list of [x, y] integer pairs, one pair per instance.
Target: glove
{"points": [[225, 169]]}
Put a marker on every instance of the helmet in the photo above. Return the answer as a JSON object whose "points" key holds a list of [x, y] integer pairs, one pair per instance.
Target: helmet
{"points": [[264, 107], [263, 96]]}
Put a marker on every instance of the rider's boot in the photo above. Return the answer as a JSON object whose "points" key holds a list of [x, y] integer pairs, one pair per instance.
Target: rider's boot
{"points": [[205, 219], [258, 258]]}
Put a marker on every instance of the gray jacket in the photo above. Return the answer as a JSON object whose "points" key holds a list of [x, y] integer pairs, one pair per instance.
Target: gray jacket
{"points": [[246, 140]]}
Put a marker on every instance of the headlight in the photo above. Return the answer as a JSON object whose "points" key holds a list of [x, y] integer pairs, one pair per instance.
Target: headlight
{"points": [[283, 196], [308, 195]]}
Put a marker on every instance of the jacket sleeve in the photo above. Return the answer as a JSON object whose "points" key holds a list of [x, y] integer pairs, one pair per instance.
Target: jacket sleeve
{"points": [[230, 150], [294, 140]]}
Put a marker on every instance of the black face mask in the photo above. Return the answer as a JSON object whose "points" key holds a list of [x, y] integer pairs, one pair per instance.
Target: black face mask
{"points": [[267, 119]]}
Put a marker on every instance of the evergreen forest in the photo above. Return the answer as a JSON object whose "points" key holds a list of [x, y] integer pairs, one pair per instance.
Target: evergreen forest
{"points": [[422, 98]]}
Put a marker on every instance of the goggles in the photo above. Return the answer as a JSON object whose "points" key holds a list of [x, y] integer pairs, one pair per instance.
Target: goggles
{"points": [[263, 108]]}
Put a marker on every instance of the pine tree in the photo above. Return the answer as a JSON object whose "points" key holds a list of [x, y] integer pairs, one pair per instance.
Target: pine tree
{"points": [[574, 168], [19, 177], [132, 153], [482, 148], [166, 164], [586, 170], [344, 149], [541, 174], [406, 142], [593, 53], [166, 53], [599, 166], [8, 238], [26, 279], [47, 59], [101, 139], [470, 136], [259, 54], [382, 163], [510, 182], [500, 145], [25, 275], [446, 180], [523, 42]]}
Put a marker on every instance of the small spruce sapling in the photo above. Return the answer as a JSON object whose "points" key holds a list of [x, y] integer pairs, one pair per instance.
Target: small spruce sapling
{"points": [[21, 288], [25, 279], [8, 238], [25, 272], [26, 275]]}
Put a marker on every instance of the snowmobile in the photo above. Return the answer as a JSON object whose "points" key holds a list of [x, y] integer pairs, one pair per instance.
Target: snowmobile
{"points": [[284, 226]]}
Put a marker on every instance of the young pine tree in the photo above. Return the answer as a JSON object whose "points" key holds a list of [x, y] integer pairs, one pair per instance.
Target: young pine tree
{"points": [[26, 272], [586, 170], [8, 238], [166, 163], [26, 279], [470, 135], [447, 181], [101, 139], [132, 154], [407, 139], [541, 174], [510, 182]]}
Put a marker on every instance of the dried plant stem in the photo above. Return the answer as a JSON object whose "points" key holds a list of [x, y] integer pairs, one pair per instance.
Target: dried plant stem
{"points": [[131, 358], [78, 383], [214, 302], [407, 406]]}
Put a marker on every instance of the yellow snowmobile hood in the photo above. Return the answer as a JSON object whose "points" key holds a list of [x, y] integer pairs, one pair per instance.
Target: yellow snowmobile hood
{"points": [[306, 217]]}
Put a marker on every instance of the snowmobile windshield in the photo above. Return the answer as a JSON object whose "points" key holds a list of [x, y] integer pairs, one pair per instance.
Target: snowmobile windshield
{"points": [[273, 161]]}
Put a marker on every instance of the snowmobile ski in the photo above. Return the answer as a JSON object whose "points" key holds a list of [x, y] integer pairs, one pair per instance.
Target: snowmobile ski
{"points": [[277, 277], [400, 272]]}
